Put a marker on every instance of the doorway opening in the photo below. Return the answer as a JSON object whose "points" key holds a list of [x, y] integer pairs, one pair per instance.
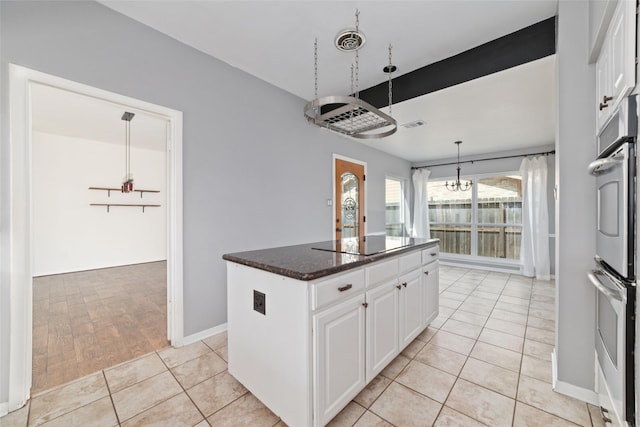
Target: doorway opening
{"points": [[80, 257], [99, 273]]}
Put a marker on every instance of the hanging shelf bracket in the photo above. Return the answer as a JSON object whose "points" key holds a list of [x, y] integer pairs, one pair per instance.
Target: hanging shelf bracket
{"points": [[108, 205], [110, 189]]}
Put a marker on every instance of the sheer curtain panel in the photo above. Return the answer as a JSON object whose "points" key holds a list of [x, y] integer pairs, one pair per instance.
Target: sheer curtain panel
{"points": [[534, 246], [421, 203]]}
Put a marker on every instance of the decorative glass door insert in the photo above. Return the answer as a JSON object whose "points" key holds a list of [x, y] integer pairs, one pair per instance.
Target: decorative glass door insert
{"points": [[349, 201]]}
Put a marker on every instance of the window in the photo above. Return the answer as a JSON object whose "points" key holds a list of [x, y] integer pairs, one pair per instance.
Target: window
{"points": [[485, 221], [394, 207]]}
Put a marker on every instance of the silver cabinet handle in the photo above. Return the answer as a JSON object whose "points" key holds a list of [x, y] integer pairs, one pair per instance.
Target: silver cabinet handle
{"points": [[602, 288], [345, 287]]}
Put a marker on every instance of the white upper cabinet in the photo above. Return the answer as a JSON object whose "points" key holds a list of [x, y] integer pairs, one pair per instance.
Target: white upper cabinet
{"points": [[615, 67], [603, 86]]}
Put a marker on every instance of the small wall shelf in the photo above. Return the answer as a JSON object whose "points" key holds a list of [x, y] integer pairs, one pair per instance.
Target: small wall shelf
{"points": [[108, 205], [110, 189]]}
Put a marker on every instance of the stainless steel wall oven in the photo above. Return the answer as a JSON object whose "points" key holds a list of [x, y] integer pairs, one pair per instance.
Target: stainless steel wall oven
{"points": [[615, 272]]}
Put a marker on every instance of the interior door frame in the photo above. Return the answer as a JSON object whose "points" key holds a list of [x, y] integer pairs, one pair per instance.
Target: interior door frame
{"points": [[17, 244], [333, 179]]}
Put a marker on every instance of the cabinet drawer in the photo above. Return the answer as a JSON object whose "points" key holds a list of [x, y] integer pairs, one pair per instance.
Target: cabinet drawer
{"points": [[381, 272], [409, 262], [430, 254], [334, 288]]}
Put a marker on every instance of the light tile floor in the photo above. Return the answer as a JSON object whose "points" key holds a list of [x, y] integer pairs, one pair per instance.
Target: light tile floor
{"points": [[484, 361]]}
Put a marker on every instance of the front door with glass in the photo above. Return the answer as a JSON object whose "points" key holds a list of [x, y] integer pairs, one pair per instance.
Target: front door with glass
{"points": [[349, 181]]}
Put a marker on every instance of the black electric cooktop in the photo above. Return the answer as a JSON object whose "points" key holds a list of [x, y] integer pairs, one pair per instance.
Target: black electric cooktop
{"points": [[367, 245]]}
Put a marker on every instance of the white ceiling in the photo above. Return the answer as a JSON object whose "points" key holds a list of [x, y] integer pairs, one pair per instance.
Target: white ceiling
{"points": [[66, 113], [509, 110], [273, 40]]}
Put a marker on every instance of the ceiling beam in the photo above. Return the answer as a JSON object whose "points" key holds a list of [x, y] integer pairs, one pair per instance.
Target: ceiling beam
{"points": [[528, 44]]}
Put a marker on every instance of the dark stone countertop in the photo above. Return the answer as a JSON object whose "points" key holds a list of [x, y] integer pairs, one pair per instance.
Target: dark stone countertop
{"points": [[305, 262]]}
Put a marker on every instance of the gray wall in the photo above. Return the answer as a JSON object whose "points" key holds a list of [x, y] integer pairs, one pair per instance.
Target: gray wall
{"points": [[499, 166], [5, 317], [255, 173], [576, 221]]}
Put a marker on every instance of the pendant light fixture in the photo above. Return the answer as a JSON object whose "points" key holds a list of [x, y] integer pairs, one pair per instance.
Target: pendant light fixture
{"points": [[350, 115], [457, 185], [127, 181]]}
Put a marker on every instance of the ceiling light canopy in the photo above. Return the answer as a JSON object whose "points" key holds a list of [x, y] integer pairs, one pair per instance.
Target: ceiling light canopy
{"points": [[350, 115]]}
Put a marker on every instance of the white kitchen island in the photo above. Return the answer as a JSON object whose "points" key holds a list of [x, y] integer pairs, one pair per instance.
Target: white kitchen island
{"points": [[309, 328]]}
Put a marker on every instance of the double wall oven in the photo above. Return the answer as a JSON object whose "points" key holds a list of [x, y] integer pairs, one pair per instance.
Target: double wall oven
{"points": [[615, 273]]}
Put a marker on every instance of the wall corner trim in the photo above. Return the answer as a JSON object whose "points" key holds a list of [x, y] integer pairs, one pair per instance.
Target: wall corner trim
{"points": [[4, 408], [580, 393], [190, 339]]}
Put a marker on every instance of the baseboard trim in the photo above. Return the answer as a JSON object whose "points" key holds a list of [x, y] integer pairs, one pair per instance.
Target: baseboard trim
{"points": [[204, 334], [580, 393]]}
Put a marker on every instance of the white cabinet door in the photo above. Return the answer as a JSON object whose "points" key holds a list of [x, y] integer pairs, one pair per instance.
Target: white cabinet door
{"points": [[616, 67], [604, 98], [339, 357], [382, 327], [622, 35], [410, 309], [430, 292]]}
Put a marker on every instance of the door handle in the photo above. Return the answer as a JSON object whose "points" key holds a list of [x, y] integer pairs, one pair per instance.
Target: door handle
{"points": [[601, 166], [602, 288], [404, 284], [345, 287], [399, 287]]}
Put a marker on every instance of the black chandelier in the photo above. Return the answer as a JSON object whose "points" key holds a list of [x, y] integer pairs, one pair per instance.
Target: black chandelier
{"points": [[457, 185]]}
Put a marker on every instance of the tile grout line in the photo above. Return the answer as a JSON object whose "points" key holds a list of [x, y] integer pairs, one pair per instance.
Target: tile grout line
{"points": [[515, 405], [113, 405], [468, 356], [148, 378], [182, 387]]}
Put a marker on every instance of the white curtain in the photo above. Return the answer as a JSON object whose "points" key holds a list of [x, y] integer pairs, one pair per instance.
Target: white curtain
{"points": [[420, 203], [406, 212], [534, 245]]}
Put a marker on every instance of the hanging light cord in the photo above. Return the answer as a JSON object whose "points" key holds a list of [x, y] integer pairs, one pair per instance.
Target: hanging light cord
{"points": [[357, 92], [128, 180], [390, 84], [127, 157]]}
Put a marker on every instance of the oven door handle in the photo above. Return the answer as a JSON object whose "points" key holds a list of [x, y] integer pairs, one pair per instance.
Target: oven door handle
{"points": [[611, 293], [602, 166]]}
